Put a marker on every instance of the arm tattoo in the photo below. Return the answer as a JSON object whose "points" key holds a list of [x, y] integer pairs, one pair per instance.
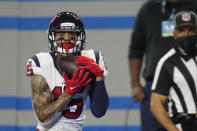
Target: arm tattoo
{"points": [[43, 105]]}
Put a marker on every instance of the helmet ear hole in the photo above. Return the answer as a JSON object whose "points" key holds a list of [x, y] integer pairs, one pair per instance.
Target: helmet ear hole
{"points": [[66, 22]]}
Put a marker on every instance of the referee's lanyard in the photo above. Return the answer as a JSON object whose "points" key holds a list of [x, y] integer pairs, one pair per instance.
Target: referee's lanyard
{"points": [[167, 28]]}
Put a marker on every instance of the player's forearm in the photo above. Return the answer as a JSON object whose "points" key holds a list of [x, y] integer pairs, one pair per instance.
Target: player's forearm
{"points": [[43, 105], [48, 111], [135, 68], [99, 99]]}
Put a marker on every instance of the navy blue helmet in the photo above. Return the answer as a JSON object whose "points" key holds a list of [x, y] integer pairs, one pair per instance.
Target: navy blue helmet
{"points": [[66, 22]]}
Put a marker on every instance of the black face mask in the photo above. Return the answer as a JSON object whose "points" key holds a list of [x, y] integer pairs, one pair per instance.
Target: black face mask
{"points": [[188, 44]]}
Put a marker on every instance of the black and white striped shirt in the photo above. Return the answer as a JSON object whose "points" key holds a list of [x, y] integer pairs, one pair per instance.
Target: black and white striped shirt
{"points": [[176, 77]]}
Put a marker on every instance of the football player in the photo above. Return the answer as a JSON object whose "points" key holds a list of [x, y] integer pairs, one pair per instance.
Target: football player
{"points": [[59, 102]]}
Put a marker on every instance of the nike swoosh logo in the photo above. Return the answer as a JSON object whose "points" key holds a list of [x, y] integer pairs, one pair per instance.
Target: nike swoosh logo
{"points": [[73, 87]]}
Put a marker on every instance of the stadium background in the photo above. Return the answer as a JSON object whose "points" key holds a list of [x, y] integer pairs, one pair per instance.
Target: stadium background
{"points": [[23, 25]]}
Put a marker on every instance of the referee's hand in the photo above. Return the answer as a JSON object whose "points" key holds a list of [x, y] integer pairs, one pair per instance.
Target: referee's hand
{"points": [[137, 93]]}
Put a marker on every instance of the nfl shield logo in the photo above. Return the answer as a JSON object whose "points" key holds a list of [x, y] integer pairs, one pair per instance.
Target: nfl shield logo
{"points": [[186, 17]]}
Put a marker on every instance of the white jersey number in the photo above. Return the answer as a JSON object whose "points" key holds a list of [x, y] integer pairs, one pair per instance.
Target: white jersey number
{"points": [[73, 109]]}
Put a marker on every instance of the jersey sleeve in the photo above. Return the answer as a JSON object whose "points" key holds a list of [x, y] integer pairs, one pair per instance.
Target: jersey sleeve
{"points": [[162, 80], [33, 67], [102, 64]]}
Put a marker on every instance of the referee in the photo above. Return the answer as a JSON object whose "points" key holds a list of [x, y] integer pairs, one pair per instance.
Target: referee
{"points": [[175, 81]]}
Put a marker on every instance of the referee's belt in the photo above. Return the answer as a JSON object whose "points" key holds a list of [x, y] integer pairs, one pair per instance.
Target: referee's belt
{"points": [[182, 117]]}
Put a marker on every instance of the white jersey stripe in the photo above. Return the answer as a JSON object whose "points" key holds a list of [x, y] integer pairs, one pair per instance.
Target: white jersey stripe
{"points": [[160, 64]]}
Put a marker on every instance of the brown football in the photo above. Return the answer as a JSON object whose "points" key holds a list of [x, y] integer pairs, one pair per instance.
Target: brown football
{"points": [[67, 64]]}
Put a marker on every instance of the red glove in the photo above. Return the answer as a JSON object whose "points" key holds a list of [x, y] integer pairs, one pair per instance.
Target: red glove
{"points": [[90, 64], [78, 81]]}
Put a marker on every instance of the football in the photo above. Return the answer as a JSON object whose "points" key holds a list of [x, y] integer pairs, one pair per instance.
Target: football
{"points": [[67, 64]]}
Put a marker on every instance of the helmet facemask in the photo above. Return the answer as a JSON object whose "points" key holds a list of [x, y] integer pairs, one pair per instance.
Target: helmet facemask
{"points": [[67, 46]]}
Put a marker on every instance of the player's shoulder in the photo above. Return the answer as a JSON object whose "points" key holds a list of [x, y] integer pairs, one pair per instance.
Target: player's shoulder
{"points": [[41, 58], [91, 53], [42, 54]]}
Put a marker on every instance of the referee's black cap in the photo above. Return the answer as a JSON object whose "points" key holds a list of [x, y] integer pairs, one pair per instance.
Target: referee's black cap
{"points": [[185, 18]]}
